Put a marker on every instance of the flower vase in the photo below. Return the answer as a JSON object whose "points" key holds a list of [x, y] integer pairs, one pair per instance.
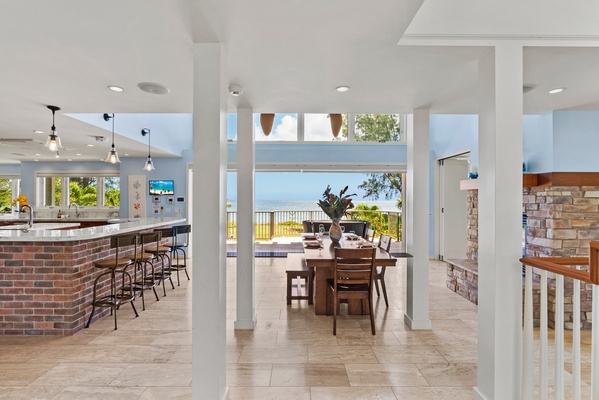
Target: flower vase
{"points": [[335, 231]]}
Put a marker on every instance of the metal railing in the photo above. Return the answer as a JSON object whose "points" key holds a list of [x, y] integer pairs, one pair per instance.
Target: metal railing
{"points": [[285, 223], [579, 270]]}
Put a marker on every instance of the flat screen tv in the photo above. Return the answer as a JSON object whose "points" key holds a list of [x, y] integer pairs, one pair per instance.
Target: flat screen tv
{"points": [[160, 187]]}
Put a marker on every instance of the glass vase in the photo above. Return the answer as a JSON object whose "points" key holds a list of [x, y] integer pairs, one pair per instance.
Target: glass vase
{"points": [[335, 231]]}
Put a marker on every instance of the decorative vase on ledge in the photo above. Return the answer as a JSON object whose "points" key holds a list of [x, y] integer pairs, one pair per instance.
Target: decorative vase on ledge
{"points": [[335, 231]]}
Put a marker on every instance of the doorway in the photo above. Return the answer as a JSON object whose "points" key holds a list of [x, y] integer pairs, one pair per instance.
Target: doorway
{"points": [[453, 209]]}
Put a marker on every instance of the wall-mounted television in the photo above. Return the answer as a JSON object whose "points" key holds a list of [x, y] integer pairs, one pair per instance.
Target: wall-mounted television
{"points": [[160, 187]]}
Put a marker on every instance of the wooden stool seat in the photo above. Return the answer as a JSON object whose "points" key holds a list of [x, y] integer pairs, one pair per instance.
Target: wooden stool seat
{"points": [[297, 268], [159, 250], [111, 263]]}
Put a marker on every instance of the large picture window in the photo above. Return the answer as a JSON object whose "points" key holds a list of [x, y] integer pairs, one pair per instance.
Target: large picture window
{"points": [[55, 190]]}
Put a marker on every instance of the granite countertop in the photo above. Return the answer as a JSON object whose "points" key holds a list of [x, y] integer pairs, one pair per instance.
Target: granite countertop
{"points": [[50, 235], [39, 226]]}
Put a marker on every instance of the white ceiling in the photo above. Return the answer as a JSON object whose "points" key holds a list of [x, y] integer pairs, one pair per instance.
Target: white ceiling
{"points": [[289, 55]]}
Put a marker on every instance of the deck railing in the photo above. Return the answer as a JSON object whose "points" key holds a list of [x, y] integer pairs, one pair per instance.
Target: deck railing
{"points": [[285, 223], [578, 269]]}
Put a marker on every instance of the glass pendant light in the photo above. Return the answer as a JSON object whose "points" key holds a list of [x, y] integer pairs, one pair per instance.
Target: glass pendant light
{"points": [[53, 142], [113, 156], [149, 163]]}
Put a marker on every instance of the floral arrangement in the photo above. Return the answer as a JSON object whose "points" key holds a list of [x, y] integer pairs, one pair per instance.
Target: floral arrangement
{"points": [[336, 206], [21, 199]]}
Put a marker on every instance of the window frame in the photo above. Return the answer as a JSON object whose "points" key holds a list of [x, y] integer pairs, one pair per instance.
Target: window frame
{"points": [[65, 179]]}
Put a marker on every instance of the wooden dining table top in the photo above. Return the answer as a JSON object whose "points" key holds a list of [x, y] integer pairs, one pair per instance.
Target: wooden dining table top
{"points": [[323, 256]]}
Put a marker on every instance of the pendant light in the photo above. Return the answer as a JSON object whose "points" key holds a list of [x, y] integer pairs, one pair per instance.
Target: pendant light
{"points": [[53, 142], [149, 163], [266, 121], [113, 156], [336, 122]]}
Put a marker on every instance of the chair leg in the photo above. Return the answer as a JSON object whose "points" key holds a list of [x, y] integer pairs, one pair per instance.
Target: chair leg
{"points": [[335, 316], [384, 292], [371, 315], [376, 285]]}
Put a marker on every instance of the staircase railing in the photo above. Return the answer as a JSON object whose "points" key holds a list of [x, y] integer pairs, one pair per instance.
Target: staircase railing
{"points": [[579, 269]]}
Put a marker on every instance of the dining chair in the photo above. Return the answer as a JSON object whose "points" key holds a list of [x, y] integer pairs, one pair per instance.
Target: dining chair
{"points": [[379, 273], [370, 235], [353, 274]]}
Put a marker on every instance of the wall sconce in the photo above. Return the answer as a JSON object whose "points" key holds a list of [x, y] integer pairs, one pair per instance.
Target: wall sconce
{"points": [[149, 163], [53, 142], [113, 156]]}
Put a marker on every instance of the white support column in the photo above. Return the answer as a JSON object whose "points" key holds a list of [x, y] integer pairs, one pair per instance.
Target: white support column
{"points": [[210, 195], [246, 305], [417, 220], [500, 224]]}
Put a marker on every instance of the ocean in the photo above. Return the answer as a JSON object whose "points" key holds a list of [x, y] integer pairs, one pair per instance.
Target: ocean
{"points": [[308, 205]]}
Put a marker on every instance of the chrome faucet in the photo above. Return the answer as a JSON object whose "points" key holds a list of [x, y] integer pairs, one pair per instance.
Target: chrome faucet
{"points": [[30, 223], [76, 208]]}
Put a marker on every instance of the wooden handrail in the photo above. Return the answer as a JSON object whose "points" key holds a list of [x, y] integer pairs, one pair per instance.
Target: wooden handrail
{"points": [[559, 265]]}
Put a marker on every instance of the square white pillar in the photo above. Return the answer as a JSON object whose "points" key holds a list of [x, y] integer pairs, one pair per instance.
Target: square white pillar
{"points": [[210, 202], [416, 221], [246, 304], [500, 224]]}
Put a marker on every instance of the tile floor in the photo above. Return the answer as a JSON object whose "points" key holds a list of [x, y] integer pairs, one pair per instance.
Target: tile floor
{"points": [[291, 355]]}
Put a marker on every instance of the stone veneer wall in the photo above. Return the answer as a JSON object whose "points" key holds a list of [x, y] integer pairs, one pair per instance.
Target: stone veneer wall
{"points": [[472, 225], [562, 220]]}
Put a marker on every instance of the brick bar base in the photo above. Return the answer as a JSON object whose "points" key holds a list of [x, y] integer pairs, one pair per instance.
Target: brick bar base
{"points": [[46, 287]]}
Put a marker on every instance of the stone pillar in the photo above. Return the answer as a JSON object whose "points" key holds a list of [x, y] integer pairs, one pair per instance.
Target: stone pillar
{"points": [[417, 221], [246, 304], [209, 197], [499, 224]]}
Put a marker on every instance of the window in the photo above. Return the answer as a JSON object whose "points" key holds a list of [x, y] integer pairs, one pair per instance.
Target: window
{"points": [[284, 128], [377, 128], [317, 128], [84, 190], [9, 190]]}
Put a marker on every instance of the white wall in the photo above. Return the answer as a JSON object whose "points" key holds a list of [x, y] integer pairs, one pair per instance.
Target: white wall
{"points": [[575, 141]]}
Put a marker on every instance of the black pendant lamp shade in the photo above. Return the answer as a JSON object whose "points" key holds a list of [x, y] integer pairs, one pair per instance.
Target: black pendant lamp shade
{"points": [[53, 142]]}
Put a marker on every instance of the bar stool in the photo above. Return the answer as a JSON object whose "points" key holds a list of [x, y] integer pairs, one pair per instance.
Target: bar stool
{"points": [[146, 279], [114, 296], [177, 247], [162, 252]]}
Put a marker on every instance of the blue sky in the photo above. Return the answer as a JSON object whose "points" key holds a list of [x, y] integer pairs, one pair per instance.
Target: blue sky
{"points": [[298, 185]]}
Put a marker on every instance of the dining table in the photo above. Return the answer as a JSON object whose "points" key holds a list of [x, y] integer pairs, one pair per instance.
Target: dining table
{"points": [[321, 256]]}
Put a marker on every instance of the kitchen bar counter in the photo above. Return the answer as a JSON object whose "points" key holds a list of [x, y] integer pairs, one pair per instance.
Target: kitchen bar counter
{"points": [[37, 235], [46, 276]]}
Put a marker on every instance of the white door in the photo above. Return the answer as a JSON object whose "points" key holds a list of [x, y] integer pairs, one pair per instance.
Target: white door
{"points": [[454, 209]]}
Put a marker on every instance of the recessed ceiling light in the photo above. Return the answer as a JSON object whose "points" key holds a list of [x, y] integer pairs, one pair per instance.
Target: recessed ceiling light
{"points": [[115, 88], [38, 131], [235, 90], [37, 154], [342, 89], [69, 159], [35, 159], [78, 154], [153, 88], [126, 154], [90, 145], [557, 90]]}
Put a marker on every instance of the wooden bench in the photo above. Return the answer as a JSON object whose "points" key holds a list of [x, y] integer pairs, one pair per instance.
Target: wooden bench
{"points": [[297, 269]]}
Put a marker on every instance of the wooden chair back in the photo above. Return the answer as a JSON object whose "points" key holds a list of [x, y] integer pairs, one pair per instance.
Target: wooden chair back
{"points": [[385, 242], [370, 235], [354, 267]]}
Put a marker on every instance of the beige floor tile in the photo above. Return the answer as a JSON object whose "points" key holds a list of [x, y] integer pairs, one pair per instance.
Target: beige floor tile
{"points": [[276, 354], [183, 355], [357, 338], [407, 354], [341, 354], [322, 338], [162, 393], [352, 393], [252, 337], [98, 393], [79, 374], [182, 338], [385, 375], [28, 393], [248, 374], [459, 353], [449, 374], [309, 375], [434, 393], [426, 338], [233, 353], [269, 393], [154, 375]]}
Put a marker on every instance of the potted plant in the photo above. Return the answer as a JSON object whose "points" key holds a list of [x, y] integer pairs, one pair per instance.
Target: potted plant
{"points": [[335, 207]]}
